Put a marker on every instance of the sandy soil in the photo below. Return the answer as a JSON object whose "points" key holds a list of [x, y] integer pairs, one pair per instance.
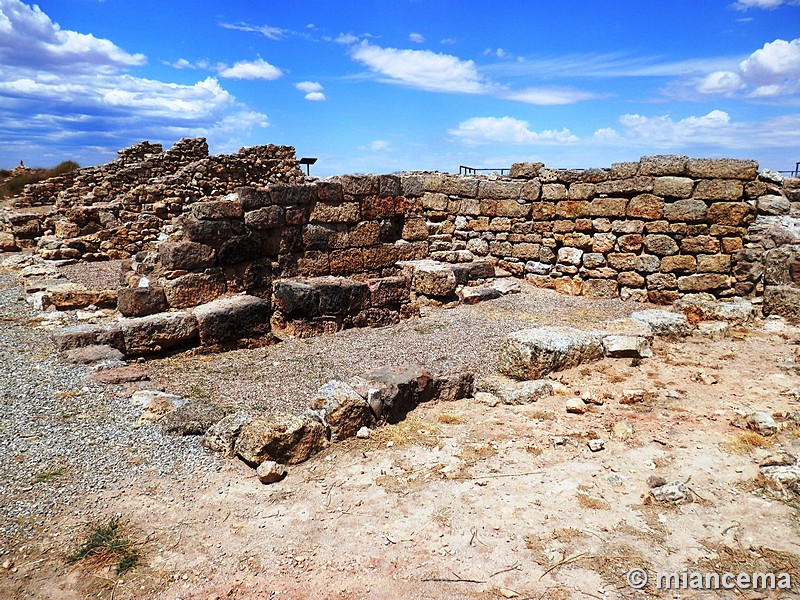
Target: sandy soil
{"points": [[466, 500]]}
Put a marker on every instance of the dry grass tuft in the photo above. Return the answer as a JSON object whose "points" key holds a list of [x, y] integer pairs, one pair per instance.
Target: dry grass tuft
{"points": [[746, 442], [450, 419], [586, 501]]}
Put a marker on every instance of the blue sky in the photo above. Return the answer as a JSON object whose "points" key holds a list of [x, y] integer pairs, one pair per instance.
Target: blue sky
{"points": [[387, 85]]}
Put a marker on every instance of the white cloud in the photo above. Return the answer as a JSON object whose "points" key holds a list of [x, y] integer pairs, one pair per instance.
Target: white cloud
{"points": [[720, 82], [417, 38], [377, 146], [309, 86], [29, 38], [312, 89], [66, 93], [421, 69], [448, 42], [775, 66], [272, 33], [507, 130], [256, 69], [499, 53], [181, 63], [346, 39], [765, 4], [550, 96]]}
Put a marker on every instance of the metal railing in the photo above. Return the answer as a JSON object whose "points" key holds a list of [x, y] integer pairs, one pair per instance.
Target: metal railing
{"points": [[463, 170], [795, 173]]}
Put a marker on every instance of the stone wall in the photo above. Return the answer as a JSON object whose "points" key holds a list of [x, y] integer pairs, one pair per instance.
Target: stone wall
{"points": [[652, 230], [117, 209]]}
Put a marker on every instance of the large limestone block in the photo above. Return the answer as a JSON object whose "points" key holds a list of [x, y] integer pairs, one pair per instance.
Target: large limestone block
{"points": [[155, 333], [512, 391], [141, 301], [726, 168], [192, 289], [285, 439], [341, 409], [782, 300], [533, 353], [664, 322], [185, 255], [232, 318], [430, 277]]}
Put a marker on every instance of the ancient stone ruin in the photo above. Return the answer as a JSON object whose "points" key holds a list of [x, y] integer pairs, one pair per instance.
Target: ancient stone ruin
{"points": [[220, 249]]}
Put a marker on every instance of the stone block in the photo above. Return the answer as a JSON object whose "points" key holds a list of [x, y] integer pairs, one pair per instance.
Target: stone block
{"points": [[646, 206], [385, 291], [525, 170], [383, 207], [232, 318], [378, 257], [735, 214], [664, 164], [631, 242], [157, 333], [239, 249], [268, 217], [713, 263], [514, 392], [335, 212], [719, 189], [663, 322], [782, 300], [474, 295], [472, 271], [295, 298], [679, 264], [217, 210], [639, 184], [690, 210], [366, 233], [700, 244], [581, 191], [662, 281], [285, 439], [571, 209], [80, 336], [435, 201], [570, 256], [393, 391], [339, 295], [773, 205], [193, 289], [673, 187], [343, 262], [725, 168], [554, 192], [187, 255], [140, 302], [415, 229], [499, 189], [703, 282], [533, 353], [432, 278], [342, 410], [661, 245], [513, 208], [603, 242], [608, 207], [622, 261]]}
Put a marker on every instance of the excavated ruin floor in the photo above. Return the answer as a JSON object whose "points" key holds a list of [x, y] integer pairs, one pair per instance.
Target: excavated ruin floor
{"points": [[461, 500]]}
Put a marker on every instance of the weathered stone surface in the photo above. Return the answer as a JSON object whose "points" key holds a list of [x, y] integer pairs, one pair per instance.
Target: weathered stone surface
{"points": [[533, 353], [703, 282], [608, 207], [773, 205], [735, 214], [673, 187], [78, 336], [627, 346], [719, 189], [600, 288], [659, 244], [663, 164], [727, 168], [286, 439], [193, 289], [679, 264], [120, 375], [431, 278], [141, 301], [69, 296], [385, 291], [156, 333], [217, 209], [232, 318], [185, 255], [689, 210], [472, 271], [192, 418], [664, 323], [672, 493], [782, 300], [699, 308], [270, 472], [335, 212], [94, 354], [393, 391], [341, 409], [646, 206], [221, 436], [473, 295], [525, 170], [762, 422], [512, 391], [268, 217], [454, 385], [714, 263]]}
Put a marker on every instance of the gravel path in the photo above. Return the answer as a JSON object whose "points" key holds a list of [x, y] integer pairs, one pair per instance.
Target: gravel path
{"points": [[61, 436], [284, 377]]}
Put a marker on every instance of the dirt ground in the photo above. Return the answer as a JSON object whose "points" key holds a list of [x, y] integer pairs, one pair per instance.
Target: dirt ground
{"points": [[468, 500]]}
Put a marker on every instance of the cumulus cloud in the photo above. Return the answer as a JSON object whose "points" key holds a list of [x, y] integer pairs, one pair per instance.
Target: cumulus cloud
{"points": [[346, 39], [720, 82], [774, 68], [421, 69], [312, 89], [255, 69], [417, 38], [507, 130], [377, 146], [550, 96], [29, 38], [70, 93]]}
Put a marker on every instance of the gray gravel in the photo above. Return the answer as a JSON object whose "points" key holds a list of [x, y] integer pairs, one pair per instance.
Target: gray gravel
{"points": [[57, 426]]}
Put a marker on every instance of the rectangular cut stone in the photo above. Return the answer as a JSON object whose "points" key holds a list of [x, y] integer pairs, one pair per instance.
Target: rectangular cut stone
{"points": [[512, 208], [533, 353], [726, 168], [499, 189], [673, 187], [608, 207], [344, 212], [664, 164]]}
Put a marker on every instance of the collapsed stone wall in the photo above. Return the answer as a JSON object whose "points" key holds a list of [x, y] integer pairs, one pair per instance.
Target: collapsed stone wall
{"points": [[117, 209]]}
